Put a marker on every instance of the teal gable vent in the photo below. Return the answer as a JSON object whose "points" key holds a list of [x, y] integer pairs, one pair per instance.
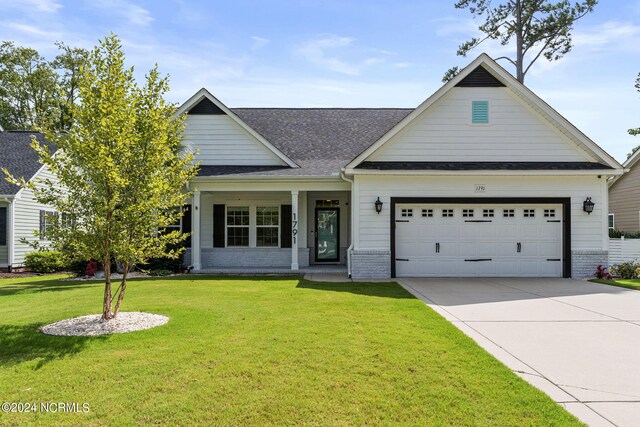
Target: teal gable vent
{"points": [[480, 112]]}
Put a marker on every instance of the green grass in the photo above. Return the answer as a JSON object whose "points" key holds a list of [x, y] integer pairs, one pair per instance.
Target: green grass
{"points": [[622, 283], [256, 351]]}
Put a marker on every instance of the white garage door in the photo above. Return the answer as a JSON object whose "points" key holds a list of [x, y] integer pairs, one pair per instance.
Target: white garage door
{"points": [[478, 240]]}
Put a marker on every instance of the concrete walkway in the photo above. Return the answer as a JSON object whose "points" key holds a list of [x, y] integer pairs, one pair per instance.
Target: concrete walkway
{"points": [[577, 341]]}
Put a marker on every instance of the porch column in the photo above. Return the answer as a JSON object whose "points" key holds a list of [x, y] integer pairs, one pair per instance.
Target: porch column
{"points": [[294, 230], [195, 231]]}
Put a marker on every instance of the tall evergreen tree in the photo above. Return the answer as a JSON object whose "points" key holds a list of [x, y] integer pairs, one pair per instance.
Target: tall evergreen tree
{"points": [[539, 28]]}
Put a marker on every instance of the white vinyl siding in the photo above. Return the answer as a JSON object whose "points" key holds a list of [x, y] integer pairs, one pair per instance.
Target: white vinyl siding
{"points": [[445, 132], [27, 219], [221, 141], [587, 231]]}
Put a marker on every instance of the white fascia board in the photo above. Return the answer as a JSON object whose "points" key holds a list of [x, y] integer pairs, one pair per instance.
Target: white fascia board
{"points": [[204, 93], [604, 172]]}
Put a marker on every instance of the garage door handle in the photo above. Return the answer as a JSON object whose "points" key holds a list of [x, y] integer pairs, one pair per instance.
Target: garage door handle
{"points": [[478, 259], [553, 220], [553, 259], [519, 247], [437, 248], [402, 259]]}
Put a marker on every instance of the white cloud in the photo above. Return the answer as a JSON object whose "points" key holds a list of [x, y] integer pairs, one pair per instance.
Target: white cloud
{"points": [[259, 42], [133, 13], [616, 35], [44, 6], [317, 52]]}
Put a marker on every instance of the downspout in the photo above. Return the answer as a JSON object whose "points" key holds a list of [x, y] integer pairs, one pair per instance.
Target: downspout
{"points": [[350, 248]]}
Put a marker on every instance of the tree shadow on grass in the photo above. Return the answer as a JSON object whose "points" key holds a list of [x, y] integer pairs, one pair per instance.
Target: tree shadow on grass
{"points": [[28, 287], [381, 290], [25, 343]]}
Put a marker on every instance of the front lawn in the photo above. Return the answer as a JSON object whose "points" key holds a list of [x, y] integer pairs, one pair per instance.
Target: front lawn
{"points": [[623, 283], [256, 351]]}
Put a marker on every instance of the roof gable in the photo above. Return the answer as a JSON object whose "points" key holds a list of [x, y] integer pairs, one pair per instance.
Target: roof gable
{"points": [[19, 158], [205, 104], [485, 69], [480, 77]]}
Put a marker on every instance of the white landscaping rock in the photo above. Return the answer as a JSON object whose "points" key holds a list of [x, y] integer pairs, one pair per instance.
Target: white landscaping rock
{"points": [[93, 325]]}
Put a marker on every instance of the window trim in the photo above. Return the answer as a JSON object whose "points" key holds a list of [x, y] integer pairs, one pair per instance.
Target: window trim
{"points": [[613, 222], [278, 208], [227, 226]]}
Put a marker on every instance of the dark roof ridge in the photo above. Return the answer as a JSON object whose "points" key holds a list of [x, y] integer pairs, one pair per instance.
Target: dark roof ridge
{"points": [[324, 108]]}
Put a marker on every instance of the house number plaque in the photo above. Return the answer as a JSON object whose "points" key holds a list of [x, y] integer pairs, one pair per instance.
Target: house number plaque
{"points": [[294, 229], [480, 188]]}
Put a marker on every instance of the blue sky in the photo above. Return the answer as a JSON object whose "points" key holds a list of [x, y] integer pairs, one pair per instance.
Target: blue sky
{"points": [[314, 53]]}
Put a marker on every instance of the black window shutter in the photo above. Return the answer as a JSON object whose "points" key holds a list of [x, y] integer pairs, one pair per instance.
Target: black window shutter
{"points": [[218, 226], [186, 224], [285, 226], [42, 215], [3, 226]]}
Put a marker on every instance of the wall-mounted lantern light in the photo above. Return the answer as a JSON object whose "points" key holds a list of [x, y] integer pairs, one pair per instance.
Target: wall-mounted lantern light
{"points": [[378, 205], [588, 205]]}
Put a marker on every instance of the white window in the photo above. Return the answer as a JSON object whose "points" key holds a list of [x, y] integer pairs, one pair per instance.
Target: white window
{"points": [[508, 213], [238, 226], [427, 213], [549, 213], [529, 213], [467, 213], [447, 213], [488, 213], [612, 221], [407, 213], [267, 226]]}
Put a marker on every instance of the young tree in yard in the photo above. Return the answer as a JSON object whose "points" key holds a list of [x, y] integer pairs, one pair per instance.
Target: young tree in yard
{"points": [[541, 28], [122, 169]]}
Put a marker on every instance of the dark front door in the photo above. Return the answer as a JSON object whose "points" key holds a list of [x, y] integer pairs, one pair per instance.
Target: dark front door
{"points": [[327, 234]]}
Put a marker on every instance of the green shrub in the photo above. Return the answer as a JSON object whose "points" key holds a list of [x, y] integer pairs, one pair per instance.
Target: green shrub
{"points": [[44, 261], [616, 234], [626, 270], [160, 273]]}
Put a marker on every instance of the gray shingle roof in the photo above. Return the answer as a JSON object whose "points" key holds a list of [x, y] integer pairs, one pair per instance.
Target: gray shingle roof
{"points": [[18, 157], [320, 140]]}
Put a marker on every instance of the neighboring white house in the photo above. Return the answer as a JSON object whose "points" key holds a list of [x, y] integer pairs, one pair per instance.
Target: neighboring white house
{"points": [[20, 214], [482, 179]]}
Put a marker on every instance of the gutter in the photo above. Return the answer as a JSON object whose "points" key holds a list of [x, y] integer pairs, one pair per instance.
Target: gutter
{"points": [[350, 248]]}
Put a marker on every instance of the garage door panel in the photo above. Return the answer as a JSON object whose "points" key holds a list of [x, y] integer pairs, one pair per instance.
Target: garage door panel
{"points": [[463, 240]]}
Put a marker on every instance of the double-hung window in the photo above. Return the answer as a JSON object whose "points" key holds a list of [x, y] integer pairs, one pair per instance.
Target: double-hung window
{"points": [[267, 226], [238, 226]]}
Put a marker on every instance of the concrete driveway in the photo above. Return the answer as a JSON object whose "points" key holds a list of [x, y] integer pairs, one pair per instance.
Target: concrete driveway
{"points": [[577, 341]]}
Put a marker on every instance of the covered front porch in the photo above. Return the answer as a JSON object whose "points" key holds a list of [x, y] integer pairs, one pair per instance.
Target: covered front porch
{"points": [[269, 227]]}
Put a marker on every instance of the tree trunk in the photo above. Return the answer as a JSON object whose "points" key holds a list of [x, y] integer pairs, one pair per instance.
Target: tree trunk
{"points": [[123, 287], [519, 43], [106, 305]]}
